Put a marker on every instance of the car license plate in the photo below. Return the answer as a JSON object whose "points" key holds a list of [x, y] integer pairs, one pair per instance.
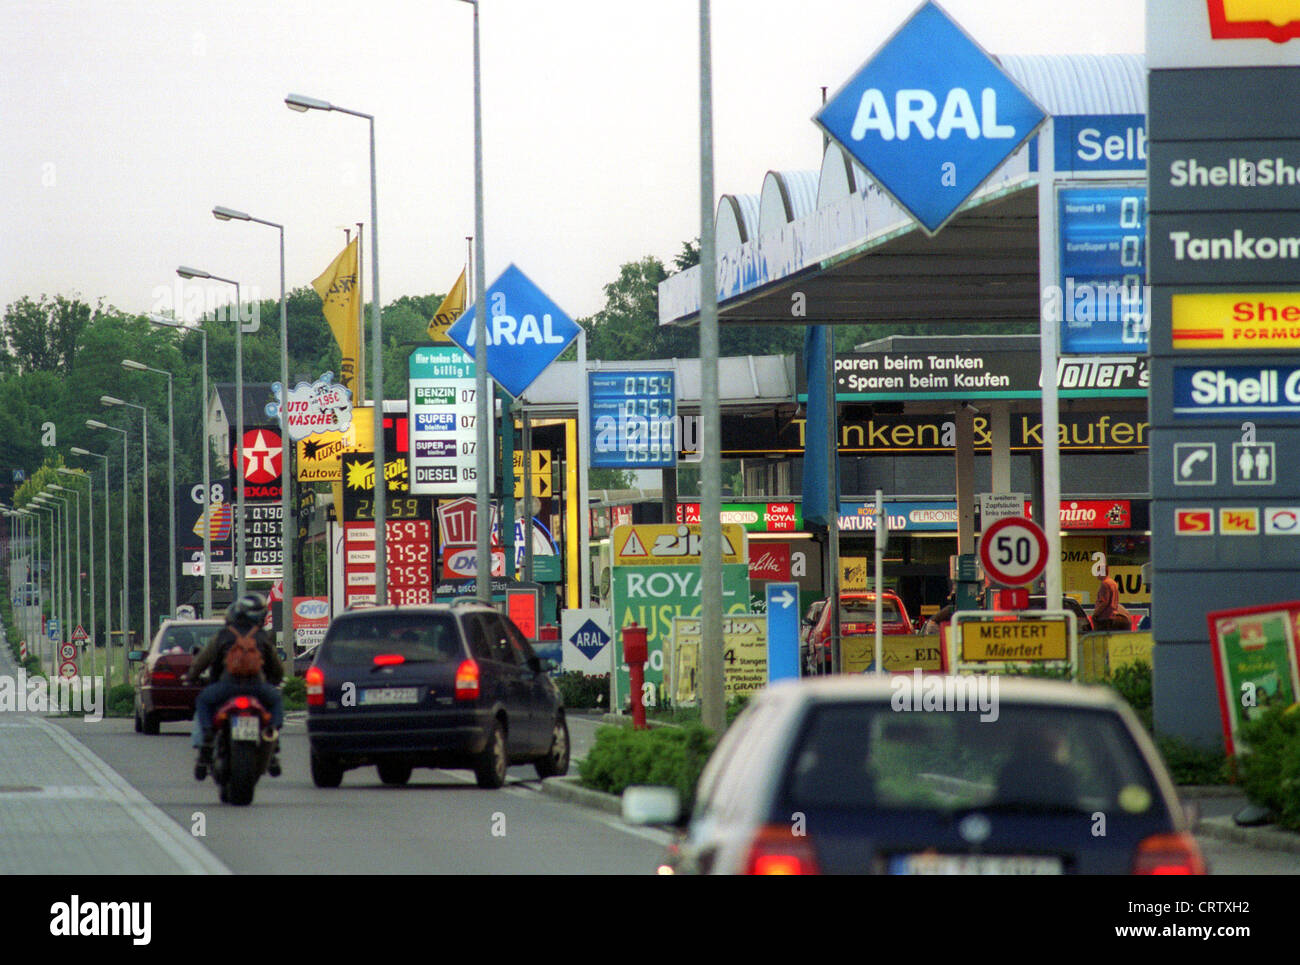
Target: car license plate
{"points": [[245, 729], [390, 695], [973, 864]]}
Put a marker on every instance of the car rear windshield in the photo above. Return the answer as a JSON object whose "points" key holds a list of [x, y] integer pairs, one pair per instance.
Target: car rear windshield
{"points": [[1033, 758], [416, 638], [187, 639], [857, 611]]}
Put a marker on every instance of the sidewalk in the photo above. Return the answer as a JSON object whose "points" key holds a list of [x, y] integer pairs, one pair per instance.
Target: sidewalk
{"points": [[64, 811]]}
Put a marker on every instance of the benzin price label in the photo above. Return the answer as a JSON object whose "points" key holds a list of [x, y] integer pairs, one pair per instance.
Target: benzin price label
{"points": [[1013, 551]]}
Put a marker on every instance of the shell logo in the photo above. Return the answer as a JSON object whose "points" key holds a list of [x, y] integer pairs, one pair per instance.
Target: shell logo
{"points": [[1275, 20]]}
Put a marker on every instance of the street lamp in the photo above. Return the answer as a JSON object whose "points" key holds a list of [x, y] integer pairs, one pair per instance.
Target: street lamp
{"points": [[108, 597], [30, 520], [90, 529], [171, 479], [59, 545], [126, 558], [207, 482], [298, 102], [239, 418], [77, 582], [286, 461], [41, 507], [483, 578], [147, 631]]}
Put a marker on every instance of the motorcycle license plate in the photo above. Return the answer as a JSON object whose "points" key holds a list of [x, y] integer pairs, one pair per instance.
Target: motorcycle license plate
{"points": [[245, 729]]}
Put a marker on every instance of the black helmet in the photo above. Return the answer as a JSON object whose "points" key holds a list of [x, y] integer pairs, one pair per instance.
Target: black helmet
{"points": [[248, 612]]}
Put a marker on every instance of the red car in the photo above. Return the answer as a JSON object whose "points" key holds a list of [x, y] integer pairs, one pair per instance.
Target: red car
{"points": [[161, 693], [857, 618]]}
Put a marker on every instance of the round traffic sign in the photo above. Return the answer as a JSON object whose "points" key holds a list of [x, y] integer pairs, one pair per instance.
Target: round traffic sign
{"points": [[67, 670], [68, 651], [1013, 551]]}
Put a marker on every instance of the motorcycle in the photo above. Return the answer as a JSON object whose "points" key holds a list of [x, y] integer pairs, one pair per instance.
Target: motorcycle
{"points": [[243, 744]]}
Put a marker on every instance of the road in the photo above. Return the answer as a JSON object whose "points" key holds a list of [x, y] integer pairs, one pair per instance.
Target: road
{"points": [[440, 823]]}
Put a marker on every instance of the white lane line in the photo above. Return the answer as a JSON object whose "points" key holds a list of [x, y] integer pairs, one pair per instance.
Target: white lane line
{"points": [[191, 856]]}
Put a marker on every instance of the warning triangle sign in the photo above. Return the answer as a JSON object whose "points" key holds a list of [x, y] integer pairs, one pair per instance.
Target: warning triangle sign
{"points": [[80, 634], [633, 546]]}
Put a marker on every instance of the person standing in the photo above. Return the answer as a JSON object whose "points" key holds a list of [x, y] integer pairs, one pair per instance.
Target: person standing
{"points": [[1108, 614]]}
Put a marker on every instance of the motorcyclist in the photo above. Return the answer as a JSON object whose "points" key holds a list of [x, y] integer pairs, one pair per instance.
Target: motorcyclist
{"points": [[243, 617]]}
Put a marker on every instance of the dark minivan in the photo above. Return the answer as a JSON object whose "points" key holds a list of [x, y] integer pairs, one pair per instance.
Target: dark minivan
{"points": [[453, 686]]}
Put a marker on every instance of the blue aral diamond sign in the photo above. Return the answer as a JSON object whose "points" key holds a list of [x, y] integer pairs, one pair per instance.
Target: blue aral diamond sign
{"points": [[590, 639], [930, 117], [526, 331]]}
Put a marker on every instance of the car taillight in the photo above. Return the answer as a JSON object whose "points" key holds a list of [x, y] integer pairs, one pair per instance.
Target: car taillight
{"points": [[163, 676], [315, 678], [241, 703], [776, 850], [1168, 854], [389, 659], [467, 686]]}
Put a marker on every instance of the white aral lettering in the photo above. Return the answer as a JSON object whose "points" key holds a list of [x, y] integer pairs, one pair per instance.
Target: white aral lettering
{"points": [[915, 108]]}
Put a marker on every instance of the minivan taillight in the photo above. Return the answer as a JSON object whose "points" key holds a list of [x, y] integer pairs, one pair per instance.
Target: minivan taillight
{"points": [[1168, 854], [315, 678], [776, 850], [163, 677], [467, 686]]}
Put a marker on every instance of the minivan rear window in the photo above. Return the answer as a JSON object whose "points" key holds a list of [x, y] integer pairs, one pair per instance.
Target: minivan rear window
{"points": [[425, 639]]}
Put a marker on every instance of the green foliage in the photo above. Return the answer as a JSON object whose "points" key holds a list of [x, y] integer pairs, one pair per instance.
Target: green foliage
{"points": [[294, 692], [668, 756], [1191, 764], [580, 690], [121, 701], [1270, 770], [1133, 682], [610, 478]]}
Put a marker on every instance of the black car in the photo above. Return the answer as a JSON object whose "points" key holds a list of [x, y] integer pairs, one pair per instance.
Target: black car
{"points": [[432, 686]]}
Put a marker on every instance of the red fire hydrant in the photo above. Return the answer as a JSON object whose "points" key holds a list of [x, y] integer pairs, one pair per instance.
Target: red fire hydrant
{"points": [[635, 654]]}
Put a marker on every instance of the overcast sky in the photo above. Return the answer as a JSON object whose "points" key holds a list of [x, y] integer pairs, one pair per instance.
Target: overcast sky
{"points": [[125, 121]]}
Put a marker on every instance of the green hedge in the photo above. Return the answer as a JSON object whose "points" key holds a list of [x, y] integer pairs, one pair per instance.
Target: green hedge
{"points": [[581, 691], [671, 756], [1270, 769]]}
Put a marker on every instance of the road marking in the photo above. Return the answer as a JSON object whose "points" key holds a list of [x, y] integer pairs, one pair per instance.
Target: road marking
{"points": [[191, 856]]}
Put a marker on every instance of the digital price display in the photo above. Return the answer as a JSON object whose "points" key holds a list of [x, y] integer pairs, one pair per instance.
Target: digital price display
{"points": [[361, 508], [410, 561], [1103, 269], [633, 420]]}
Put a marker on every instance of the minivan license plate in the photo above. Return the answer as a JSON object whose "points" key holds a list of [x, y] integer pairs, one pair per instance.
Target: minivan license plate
{"points": [[976, 864], [390, 695]]}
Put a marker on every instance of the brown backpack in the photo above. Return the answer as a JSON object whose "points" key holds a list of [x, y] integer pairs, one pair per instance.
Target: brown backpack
{"points": [[244, 657]]}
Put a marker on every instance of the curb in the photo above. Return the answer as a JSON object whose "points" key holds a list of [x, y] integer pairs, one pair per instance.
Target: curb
{"points": [[569, 789], [1267, 838]]}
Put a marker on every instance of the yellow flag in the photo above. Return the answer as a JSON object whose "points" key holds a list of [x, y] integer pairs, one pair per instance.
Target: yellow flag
{"points": [[451, 309], [338, 289]]}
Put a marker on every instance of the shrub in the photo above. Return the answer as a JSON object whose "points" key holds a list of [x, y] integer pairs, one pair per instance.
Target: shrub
{"points": [[670, 756], [294, 692], [1270, 770], [580, 690], [1134, 684], [121, 701], [1190, 764]]}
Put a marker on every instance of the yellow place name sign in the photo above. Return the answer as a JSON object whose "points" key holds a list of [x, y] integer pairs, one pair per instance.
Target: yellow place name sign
{"points": [[986, 641]]}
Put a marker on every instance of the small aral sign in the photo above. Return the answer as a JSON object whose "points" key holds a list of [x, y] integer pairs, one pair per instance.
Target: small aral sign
{"points": [[1014, 640]]}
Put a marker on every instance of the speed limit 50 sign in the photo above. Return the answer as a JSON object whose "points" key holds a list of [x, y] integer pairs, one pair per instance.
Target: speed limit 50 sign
{"points": [[1013, 551]]}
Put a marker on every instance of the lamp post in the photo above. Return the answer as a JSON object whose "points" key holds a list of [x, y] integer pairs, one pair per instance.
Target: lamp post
{"points": [[126, 559], [42, 508], [108, 597], [33, 579], [286, 446], [59, 562], [90, 529], [483, 576], [298, 102], [207, 482], [171, 480], [239, 419], [74, 582]]}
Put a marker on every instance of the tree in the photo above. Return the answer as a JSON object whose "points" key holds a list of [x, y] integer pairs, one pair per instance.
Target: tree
{"points": [[42, 335]]}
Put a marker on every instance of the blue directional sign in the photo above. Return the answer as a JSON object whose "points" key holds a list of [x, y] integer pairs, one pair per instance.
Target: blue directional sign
{"points": [[930, 117], [526, 331], [782, 631], [633, 420]]}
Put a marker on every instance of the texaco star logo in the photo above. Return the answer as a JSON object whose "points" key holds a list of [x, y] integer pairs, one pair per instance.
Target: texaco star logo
{"points": [[262, 452]]}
